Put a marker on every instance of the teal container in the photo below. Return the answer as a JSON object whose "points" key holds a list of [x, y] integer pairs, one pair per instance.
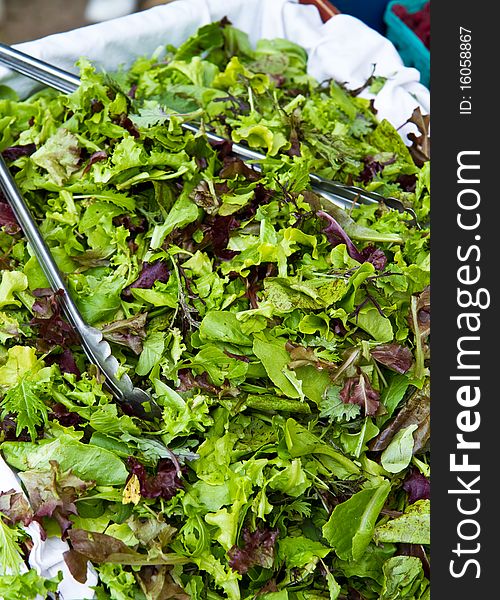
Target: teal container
{"points": [[411, 48]]}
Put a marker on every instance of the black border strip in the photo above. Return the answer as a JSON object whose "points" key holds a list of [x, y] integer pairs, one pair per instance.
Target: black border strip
{"points": [[470, 540]]}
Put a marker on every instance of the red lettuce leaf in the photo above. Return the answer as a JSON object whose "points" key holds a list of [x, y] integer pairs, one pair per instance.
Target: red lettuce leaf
{"points": [[14, 152], [375, 256], [66, 418], [336, 235], [127, 332], [77, 565], [53, 493], [51, 328], [417, 486], [218, 233], [358, 390], [15, 507], [7, 218], [149, 275], [95, 157], [393, 356], [258, 550], [165, 484]]}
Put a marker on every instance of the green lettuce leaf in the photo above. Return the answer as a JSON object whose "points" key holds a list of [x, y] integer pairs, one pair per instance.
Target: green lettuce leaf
{"points": [[351, 526]]}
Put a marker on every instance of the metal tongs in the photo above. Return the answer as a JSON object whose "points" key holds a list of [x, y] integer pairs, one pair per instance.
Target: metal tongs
{"points": [[345, 196], [94, 345]]}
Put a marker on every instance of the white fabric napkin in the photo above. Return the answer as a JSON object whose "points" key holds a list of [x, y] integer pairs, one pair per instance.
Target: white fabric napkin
{"points": [[344, 48], [46, 556]]}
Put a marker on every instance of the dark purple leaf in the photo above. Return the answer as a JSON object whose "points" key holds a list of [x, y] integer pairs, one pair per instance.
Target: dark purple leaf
{"points": [[373, 167], [393, 356], [416, 411], [218, 233], [424, 312], [135, 225], [262, 195], [127, 332], [338, 327], [51, 328], [8, 427], [132, 91], [223, 148], [258, 550], [103, 548], [301, 356], [201, 162], [96, 157], [96, 106], [14, 152], [336, 235], [165, 484], [234, 166], [15, 507], [277, 79], [294, 149], [66, 418], [358, 390], [236, 357], [126, 123], [150, 273], [370, 170], [375, 256], [190, 381], [7, 218], [407, 182], [421, 147], [417, 486], [53, 493], [237, 106], [221, 188], [65, 361]]}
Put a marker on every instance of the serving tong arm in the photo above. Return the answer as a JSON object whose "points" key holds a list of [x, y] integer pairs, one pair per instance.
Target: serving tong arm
{"points": [[94, 345], [39, 70], [339, 194]]}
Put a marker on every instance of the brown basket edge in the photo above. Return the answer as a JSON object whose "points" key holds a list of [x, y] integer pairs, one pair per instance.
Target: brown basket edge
{"points": [[326, 10]]}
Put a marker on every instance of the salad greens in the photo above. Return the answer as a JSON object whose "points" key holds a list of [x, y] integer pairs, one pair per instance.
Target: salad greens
{"points": [[285, 340]]}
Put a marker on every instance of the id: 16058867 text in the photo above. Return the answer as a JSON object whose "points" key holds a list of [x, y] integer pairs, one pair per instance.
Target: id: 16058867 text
{"points": [[465, 71]]}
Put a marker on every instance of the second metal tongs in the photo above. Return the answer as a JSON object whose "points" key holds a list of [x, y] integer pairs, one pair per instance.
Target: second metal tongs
{"points": [[345, 196]]}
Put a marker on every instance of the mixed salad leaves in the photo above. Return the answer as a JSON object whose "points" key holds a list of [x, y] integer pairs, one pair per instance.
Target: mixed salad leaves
{"points": [[285, 339]]}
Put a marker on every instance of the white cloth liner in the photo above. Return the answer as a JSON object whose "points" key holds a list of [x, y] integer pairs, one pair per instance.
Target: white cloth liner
{"points": [[344, 49], [46, 556]]}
